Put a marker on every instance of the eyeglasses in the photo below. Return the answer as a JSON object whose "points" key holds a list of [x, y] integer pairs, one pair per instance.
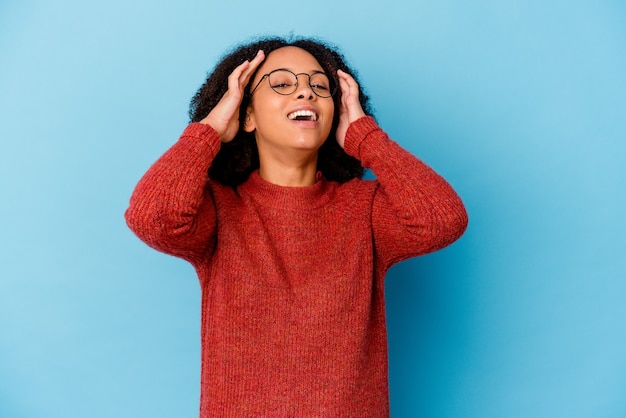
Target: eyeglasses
{"points": [[285, 82]]}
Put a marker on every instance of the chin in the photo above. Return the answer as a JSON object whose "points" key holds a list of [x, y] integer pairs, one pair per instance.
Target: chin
{"points": [[308, 144], [309, 140]]}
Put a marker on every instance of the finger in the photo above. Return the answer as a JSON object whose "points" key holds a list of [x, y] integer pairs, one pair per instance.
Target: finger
{"points": [[345, 90], [254, 64], [344, 75], [350, 81], [233, 78], [343, 83], [258, 59], [350, 103]]}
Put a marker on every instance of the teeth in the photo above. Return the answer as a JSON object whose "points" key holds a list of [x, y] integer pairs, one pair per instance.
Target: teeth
{"points": [[303, 113]]}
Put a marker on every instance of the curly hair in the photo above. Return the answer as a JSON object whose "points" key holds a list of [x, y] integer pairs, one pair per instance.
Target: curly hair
{"points": [[240, 157]]}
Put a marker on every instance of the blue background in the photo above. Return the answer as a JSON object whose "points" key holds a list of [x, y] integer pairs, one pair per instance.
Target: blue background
{"points": [[521, 105]]}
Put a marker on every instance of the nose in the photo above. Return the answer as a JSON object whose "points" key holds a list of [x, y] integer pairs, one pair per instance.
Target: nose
{"points": [[303, 90]]}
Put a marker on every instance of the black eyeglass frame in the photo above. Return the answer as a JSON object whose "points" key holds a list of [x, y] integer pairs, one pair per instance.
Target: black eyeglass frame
{"points": [[331, 80]]}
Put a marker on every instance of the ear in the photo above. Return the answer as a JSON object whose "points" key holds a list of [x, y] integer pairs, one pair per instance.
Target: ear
{"points": [[248, 124]]}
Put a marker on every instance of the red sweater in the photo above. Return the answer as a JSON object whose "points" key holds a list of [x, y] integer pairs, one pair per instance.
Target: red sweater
{"points": [[292, 278]]}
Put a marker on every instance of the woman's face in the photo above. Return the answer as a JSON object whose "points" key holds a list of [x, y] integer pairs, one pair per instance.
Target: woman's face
{"points": [[283, 122]]}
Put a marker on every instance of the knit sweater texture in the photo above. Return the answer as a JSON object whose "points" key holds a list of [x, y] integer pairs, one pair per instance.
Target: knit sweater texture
{"points": [[292, 278]]}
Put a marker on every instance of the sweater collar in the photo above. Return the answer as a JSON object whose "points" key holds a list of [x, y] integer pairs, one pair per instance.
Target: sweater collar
{"points": [[269, 194]]}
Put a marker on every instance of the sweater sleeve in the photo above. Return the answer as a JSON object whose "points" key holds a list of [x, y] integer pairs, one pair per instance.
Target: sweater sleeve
{"points": [[414, 210], [170, 209]]}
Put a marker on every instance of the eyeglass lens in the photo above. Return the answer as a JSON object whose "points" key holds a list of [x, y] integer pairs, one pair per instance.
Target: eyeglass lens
{"points": [[285, 82]]}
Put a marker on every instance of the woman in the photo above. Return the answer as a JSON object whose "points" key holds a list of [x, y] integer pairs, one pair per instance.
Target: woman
{"points": [[290, 245]]}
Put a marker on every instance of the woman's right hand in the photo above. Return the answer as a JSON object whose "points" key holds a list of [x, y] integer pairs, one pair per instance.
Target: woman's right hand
{"points": [[224, 117]]}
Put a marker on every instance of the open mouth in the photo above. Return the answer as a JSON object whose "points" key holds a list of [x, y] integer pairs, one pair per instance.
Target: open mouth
{"points": [[306, 115]]}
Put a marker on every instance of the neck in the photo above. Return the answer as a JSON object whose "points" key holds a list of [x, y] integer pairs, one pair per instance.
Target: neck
{"points": [[297, 170]]}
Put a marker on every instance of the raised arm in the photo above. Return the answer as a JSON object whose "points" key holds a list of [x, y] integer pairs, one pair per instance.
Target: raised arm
{"points": [[415, 211], [171, 208]]}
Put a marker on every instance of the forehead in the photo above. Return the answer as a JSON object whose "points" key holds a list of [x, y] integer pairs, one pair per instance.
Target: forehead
{"points": [[290, 57]]}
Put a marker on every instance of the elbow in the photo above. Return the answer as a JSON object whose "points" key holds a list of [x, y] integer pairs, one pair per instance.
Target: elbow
{"points": [[145, 223], [132, 219], [447, 225], [138, 222], [154, 225], [462, 221], [454, 224]]}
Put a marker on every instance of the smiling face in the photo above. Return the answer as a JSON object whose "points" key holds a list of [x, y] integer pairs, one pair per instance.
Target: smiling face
{"points": [[301, 120]]}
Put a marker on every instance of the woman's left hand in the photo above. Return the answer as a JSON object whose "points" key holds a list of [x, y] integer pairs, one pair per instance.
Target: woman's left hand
{"points": [[350, 109]]}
